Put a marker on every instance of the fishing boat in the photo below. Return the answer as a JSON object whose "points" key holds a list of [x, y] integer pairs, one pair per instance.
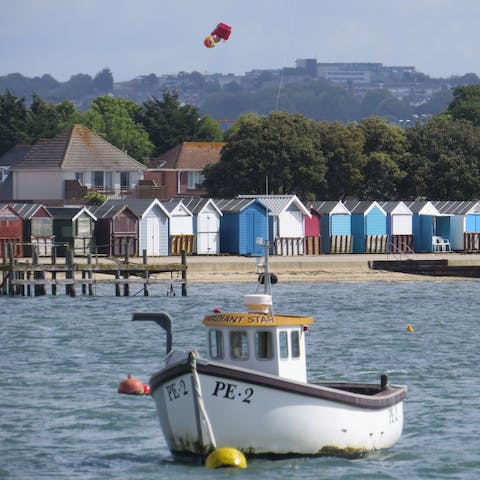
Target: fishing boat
{"points": [[251, 393]]}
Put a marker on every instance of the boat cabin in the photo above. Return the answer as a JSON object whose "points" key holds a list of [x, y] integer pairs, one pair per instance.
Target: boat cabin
{"points": [[259, 340]]}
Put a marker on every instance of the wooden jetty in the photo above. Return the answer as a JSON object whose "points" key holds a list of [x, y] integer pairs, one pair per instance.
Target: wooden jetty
{"points": [[21, 277]]}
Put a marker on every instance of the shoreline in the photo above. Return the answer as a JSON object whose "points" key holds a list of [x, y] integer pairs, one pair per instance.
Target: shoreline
{"points": [[308, 268], [320, 268]]}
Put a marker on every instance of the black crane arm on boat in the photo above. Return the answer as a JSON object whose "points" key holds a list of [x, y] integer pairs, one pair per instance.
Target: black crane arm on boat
{"points": [[162, 319]]}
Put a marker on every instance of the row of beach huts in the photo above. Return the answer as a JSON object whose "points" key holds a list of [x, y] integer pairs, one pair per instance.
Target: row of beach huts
{"points": [[206, 226]]}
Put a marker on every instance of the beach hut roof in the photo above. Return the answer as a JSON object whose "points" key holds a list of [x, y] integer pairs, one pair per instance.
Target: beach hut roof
{"points": [[111, 210], [280, 203], [139, 206], [237, 205], [70, 213], [330, 207], [28, 210], [362, 206], [454, 207], [197, 204], [395, 207], [422, 207]]}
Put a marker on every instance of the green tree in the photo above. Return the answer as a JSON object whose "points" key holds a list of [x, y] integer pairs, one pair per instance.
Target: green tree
{"points": [[466, 104], [283, 147], [13, 122], [385, 147], [169, 123], [342, 146], [114, 119], [444, 161]]}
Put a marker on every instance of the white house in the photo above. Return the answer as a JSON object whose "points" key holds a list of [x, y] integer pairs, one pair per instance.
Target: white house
{"points": [[73, 163]]}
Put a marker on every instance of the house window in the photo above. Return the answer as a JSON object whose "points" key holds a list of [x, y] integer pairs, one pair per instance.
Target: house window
{"points": [[124, 180], [108, 180], [4, 171], [194, 179], [79, 177], [97, 179]]}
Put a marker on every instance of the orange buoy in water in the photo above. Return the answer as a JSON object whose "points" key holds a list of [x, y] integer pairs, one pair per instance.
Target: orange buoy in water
{"points": [[409, 328], [132, 386]]}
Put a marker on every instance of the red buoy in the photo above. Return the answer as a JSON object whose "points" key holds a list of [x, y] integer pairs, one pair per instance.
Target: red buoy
{"points": [[131, 386]]}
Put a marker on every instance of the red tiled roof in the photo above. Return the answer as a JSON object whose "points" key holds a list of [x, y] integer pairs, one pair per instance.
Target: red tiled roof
{"points": [[189, 156]]}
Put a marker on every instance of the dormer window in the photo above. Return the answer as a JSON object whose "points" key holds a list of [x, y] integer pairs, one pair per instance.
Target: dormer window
{"points": [[239, 345]]}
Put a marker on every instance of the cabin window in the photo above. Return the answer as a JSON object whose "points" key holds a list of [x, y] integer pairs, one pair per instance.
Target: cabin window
{"points": [[216, 344], [239, 345], [295, 343], [97, 179], [283, 344], [263, 345]]}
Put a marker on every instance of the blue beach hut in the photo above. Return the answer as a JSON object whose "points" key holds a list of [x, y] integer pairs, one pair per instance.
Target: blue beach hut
{"points": [[335, 226], [459, 222], [243, 221], [369, 226], [424, 228], [399, 226], [286, 222]]}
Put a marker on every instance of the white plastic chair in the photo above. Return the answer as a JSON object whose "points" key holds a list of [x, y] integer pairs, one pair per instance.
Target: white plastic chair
{"points": [[437, 244]]}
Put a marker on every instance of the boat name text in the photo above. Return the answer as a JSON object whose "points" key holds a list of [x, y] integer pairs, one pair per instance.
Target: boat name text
{"points": [[239, 319], [175, 391], [232, 392]]}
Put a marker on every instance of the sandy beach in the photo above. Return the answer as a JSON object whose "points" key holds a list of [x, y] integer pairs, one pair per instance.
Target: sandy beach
{"points": [[322, 268]]}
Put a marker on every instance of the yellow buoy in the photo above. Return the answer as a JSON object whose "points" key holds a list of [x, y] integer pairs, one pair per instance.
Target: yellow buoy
{"points": [[226, 457], [409, 328]]}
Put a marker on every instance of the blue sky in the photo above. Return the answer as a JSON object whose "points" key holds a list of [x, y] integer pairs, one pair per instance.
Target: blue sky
{"points": [[137, 37]]}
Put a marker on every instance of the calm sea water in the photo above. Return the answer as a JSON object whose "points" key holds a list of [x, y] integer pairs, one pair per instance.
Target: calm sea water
{"points": [[62, 359]]}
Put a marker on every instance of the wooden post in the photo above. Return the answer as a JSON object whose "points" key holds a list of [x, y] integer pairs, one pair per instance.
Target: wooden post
{"points": [[84, 286], [70, 273], [37, 274], [4, 272], [145, 284], [53, 258], [90, 286], [126, 286], [11, 269], [117, 285], [184, 273]]}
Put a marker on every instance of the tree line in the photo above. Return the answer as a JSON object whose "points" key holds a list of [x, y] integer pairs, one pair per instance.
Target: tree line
{"points": [[144, 131], [370, 159]]}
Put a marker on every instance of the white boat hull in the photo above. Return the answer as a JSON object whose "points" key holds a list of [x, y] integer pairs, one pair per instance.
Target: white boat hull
{"points": [[217, 406]]}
